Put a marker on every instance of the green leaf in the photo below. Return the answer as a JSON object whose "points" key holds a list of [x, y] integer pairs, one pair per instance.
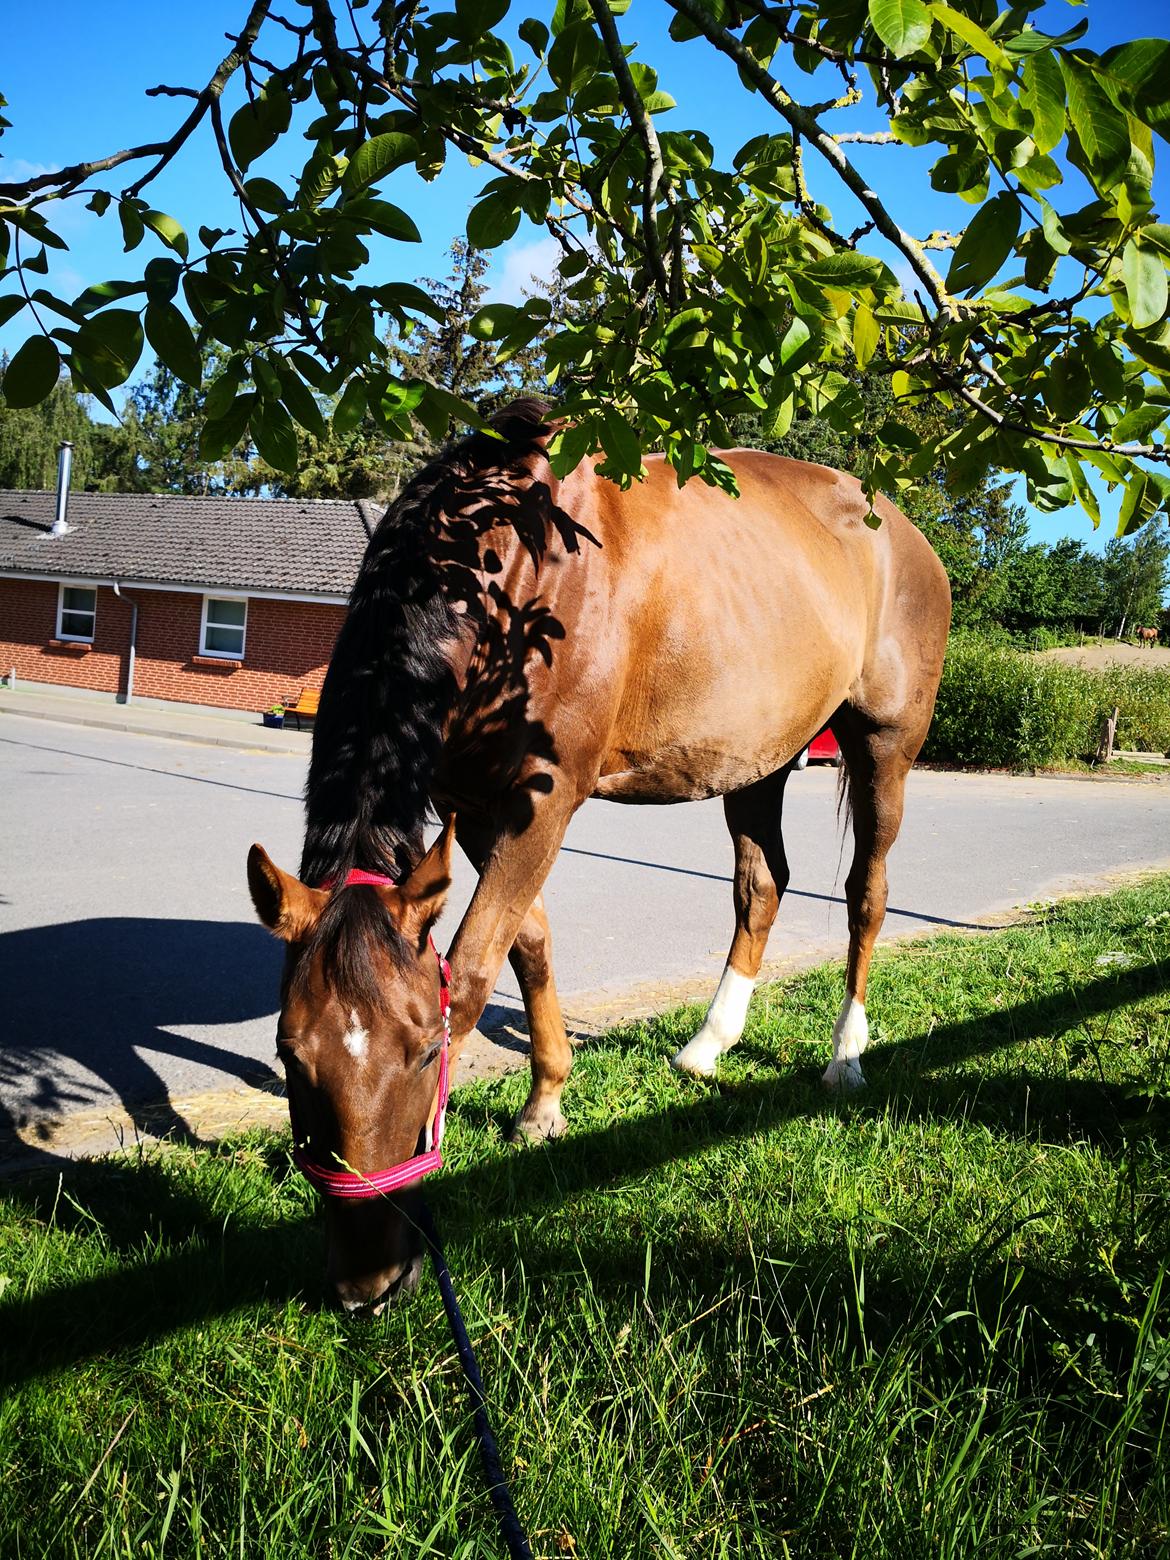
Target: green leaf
{"points": [[574, 57], [376, 158], [32, 373], [1100, 128], [534, 34], [129, 214], [275, 436], [257, 126], [1134, 511], [174, 341], [986, 244], [301, 401], [776, 423], [390, 220], [1042, 94], [866, 334], [492, 321], [622, 446], [453, 405], [220, 436], [1136, 426], [113, 340], [220, 395], [569, 446], [849, 271], [351, 408], [493, 221], [10, 306], [1136, 77], [902, 25], [972, 35], [795, 349], [1082, 487], [161, 278], [1145, 285], [265, 196], [405, 295], [168, 230]]}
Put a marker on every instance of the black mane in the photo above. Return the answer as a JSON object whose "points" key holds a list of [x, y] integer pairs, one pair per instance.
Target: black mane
{"points": [[390, 685]]}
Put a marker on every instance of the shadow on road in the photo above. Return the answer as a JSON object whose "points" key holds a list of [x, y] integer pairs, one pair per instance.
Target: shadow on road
{"points": [[98, 996], [789, 893]]}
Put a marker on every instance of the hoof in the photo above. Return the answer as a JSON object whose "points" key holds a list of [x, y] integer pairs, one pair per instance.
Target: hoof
{"points": [[700, 1057], [535, 1126], [843, 1077]]}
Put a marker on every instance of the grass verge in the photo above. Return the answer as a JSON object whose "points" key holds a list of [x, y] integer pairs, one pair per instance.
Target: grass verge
{"points": [[732, 1320]]}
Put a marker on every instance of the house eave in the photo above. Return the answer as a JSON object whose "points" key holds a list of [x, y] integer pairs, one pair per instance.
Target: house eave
{"points": [[309, 598]]}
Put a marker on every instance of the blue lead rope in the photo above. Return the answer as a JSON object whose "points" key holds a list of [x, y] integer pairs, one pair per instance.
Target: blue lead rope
{"points": [[510, 1530]]}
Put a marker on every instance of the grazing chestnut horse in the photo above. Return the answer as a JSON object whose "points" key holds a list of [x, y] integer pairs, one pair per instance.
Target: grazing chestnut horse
{"points": [[1147, 636], [515, 644]]}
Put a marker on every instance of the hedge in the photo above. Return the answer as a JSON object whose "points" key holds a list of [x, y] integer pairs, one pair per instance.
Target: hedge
{"points": [[1003, 709]]}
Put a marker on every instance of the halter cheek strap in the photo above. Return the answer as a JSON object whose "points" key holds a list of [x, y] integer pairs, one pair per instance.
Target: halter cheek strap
{"points": [[349, 1184]]}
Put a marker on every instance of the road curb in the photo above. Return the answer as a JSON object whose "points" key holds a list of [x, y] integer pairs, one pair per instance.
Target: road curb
{"points": [[249, 740]]}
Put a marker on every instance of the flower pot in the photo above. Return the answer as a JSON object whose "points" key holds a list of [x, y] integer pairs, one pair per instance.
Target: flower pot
{"points": [[270, 719]]}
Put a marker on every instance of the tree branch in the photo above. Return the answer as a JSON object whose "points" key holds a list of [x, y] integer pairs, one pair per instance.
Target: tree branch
{"points": [[806, 124], [640, 119], [67, 179]]}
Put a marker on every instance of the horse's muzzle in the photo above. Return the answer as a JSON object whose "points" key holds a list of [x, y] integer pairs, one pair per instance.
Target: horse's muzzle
{"points": [[375, 1251], [373, 1294]]}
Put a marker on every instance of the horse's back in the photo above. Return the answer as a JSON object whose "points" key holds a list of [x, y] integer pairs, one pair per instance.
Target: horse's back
{"points": [[743, 624]]}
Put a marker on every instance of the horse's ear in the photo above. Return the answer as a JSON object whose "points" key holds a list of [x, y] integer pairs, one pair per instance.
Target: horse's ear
{"points": [[422, 894], [284, 904]]}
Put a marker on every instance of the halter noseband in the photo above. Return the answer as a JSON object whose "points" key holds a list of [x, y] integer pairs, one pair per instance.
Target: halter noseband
{"points": [[348, 1183]]}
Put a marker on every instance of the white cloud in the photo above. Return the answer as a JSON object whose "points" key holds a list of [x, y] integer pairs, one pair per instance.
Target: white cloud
{"points": [[14, 169], [522, 268]]}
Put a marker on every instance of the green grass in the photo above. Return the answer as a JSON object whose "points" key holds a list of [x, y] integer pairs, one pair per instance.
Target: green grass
{"points": [[733, 1320]]}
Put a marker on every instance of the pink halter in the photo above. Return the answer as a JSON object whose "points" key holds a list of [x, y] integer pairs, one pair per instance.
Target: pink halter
{"points": [[347, 1183]]}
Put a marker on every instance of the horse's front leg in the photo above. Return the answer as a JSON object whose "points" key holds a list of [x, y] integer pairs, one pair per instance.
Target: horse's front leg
{"points": [[531, 958], [507, 914]]}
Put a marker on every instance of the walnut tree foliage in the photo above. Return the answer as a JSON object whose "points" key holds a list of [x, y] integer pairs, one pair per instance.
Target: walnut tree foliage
{"points": [[698, 292]]}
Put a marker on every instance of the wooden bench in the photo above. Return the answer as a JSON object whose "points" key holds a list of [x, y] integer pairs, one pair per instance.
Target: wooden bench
{"points": [[307, 702]]}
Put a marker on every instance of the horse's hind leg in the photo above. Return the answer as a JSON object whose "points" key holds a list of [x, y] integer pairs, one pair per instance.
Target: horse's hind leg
{"points": [[761, 876], [877, 763]]}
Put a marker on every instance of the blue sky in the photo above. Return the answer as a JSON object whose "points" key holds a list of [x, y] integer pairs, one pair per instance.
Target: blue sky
{"points": [[75, 90]]}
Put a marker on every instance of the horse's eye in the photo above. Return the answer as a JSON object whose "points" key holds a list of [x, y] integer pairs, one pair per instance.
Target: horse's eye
{"points": [[430, 1055], [285, 1052]]}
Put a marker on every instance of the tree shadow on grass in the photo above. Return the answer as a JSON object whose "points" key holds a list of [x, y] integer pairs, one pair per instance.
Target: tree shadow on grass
{"points": [[225, 1265]]}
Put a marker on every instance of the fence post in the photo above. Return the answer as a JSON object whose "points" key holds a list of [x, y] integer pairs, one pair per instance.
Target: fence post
{"points": [[1108, 733]]}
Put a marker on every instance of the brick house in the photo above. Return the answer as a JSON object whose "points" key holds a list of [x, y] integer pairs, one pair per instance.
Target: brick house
{"points": [[234, 602]]}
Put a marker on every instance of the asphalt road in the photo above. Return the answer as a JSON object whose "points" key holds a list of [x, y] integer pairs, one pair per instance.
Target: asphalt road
{"points": [[134, 980]]}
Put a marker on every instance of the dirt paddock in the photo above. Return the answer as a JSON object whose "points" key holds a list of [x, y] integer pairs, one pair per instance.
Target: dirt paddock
{"points": [[1097, 656]]}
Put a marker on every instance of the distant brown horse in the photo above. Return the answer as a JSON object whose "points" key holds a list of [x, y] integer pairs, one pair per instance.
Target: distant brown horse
{"points": [[515, 644], [1147, 636]]}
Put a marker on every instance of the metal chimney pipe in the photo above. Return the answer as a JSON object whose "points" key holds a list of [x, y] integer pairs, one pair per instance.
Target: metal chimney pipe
{"points": [[64, 472]]}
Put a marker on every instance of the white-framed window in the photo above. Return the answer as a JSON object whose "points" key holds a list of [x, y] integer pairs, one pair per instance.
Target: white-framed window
{"points": [[77, 612], [225, 621]]}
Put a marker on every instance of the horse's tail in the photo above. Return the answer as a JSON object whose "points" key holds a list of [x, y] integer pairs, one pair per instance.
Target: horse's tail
{"points": [[844, 798]]}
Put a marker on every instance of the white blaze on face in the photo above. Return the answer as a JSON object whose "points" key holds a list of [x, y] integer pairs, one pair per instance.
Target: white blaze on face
{"points": [[355, 1037], [721, 1028]]}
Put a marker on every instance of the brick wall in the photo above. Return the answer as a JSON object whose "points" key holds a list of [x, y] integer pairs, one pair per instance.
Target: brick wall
{"points": [[288, 646]]}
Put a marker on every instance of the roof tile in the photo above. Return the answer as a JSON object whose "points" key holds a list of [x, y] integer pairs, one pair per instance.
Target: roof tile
{"points": [[303, 546]]}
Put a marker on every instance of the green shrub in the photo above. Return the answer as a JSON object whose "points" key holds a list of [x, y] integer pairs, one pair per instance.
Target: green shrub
{"points": [[1006, 710], [1142, 694], [1002, 709]]}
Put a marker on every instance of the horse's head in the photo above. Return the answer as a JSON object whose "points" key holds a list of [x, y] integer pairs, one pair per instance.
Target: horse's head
{"points": [[360, 1035]]}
